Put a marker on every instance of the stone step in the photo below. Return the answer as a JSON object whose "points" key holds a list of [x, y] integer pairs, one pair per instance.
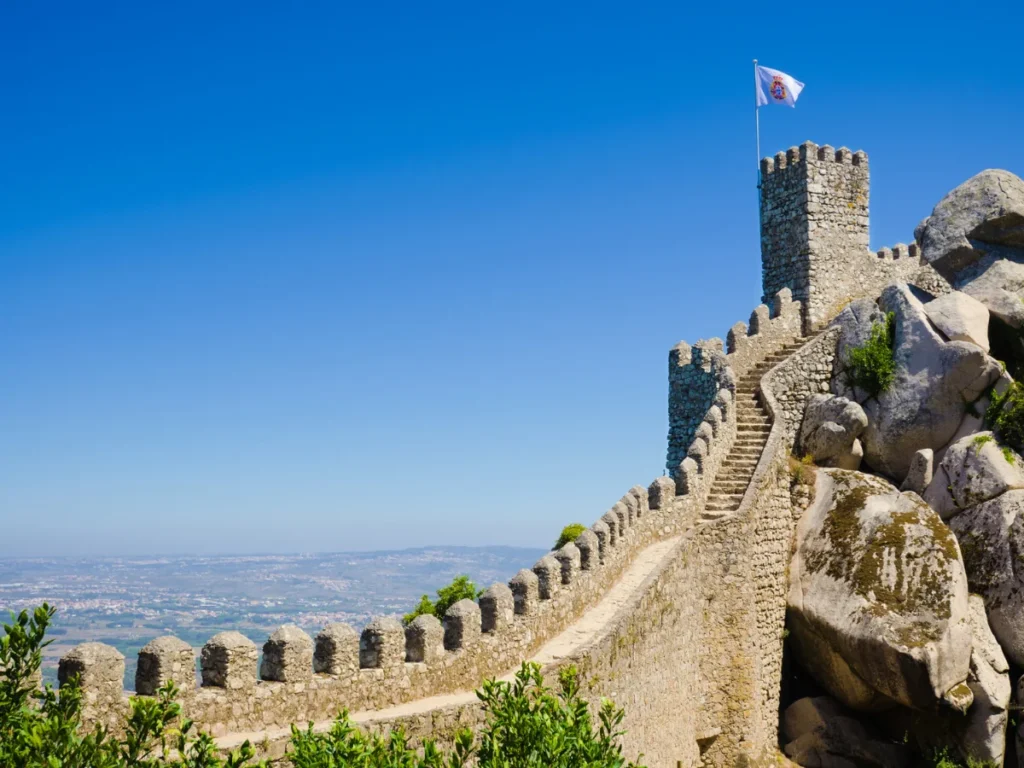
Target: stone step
{"points": [[730, 489]]}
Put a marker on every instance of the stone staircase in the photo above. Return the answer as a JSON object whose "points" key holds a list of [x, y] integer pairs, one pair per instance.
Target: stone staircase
{"points": [[753, 424]]}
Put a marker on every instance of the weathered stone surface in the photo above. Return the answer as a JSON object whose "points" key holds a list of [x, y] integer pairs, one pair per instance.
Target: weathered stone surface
{"points": [[960, 317], [920, 473], [497, 605], [855, 323], [820, 733], [424, 639], [934, 379], [382, 644], [830, 427], [878, 595], [525, 588], [998, 284], [589, 547], [987, 209], [974, 469], [991, 536], [162, 660], [549, 576], [287, 656], [228, 660], [461, 625], [569, 558], [337, 651], [978, 732]]}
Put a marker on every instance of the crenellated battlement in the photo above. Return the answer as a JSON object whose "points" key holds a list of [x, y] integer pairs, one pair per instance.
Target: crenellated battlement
{"points": [[811, 153]]}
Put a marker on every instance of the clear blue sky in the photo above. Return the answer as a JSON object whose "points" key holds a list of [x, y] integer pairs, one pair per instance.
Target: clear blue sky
{"points": [[298, 277]]}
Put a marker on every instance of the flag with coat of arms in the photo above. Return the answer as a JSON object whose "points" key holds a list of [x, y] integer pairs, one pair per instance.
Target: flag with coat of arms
{"points": [[775, 87]]}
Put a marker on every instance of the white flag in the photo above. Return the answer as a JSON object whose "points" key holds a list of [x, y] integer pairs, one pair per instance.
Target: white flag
{"points": [[774, 87]]}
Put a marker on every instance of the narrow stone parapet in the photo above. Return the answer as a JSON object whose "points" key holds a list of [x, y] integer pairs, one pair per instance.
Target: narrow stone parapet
{"points": [[163, 660], [337, 651], [525, 592], [611, 520], [661, 493], [99, 669], [461, 625], [590, 550], [497, 608], [568, 557], [228, 661], [382, 645], [604, 535], [549, 576], [287, 656], [424, 640]]}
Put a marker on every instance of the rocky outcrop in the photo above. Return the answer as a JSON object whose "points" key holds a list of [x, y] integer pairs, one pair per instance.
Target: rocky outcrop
{"points": [[960, 317], [934, 381], [979, 734], [986, 210], [877, 601], [975, 469], [991, 536], [829, 431], [819, 733], [855, 322]]}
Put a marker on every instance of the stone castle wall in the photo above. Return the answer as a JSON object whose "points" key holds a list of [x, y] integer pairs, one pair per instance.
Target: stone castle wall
{"points": [[695, 655]]}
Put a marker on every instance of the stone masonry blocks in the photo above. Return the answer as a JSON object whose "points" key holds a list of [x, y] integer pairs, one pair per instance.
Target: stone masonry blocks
{"points": [[497, 608], [162, 660], [287, 656], [590, 550], [603, 534], [382, 645], [661, 493], [462, 625], [549, 576], [569, 558], [229, 661], [99, 667], [525, 592], [424, 639], [611, 520], [337, 651]]}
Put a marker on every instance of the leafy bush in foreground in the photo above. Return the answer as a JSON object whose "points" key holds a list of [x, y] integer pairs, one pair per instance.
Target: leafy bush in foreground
{"points": [[527, 726]]}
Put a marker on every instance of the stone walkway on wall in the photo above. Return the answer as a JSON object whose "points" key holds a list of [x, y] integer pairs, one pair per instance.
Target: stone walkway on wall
{"points": [[579, 634], [753, 424]]}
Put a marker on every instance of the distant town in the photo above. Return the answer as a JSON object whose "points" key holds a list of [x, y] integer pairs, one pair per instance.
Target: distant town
{"points": [[126, 602]]}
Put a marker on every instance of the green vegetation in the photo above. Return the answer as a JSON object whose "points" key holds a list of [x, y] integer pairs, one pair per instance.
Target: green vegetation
{"points": [[569, 533], [460, 588], [941, 758], [527, 726], [979, 440], [1005, 414], [871, 367], [801, 471]]}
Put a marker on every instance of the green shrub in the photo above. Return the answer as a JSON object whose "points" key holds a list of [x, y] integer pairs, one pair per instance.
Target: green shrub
{"points": [[1005, 414], [871, 367], [460, 588], [569, 533], [527, 726]]}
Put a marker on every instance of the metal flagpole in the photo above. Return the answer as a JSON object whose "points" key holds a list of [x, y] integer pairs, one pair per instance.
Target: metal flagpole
{"points": [[757, 128]]}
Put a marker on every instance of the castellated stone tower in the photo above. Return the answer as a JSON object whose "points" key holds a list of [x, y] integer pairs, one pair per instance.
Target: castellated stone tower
{"points": [[814, 226]]}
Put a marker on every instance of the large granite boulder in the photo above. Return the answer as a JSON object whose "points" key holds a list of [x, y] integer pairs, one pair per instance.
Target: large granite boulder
{"points": [[974, 469], [934, 381], [997, 283], [991, 536], [830, 429], [986, 210], [960, 317], [877, 599], [979, 735], [819, 733], [855, 321]]}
